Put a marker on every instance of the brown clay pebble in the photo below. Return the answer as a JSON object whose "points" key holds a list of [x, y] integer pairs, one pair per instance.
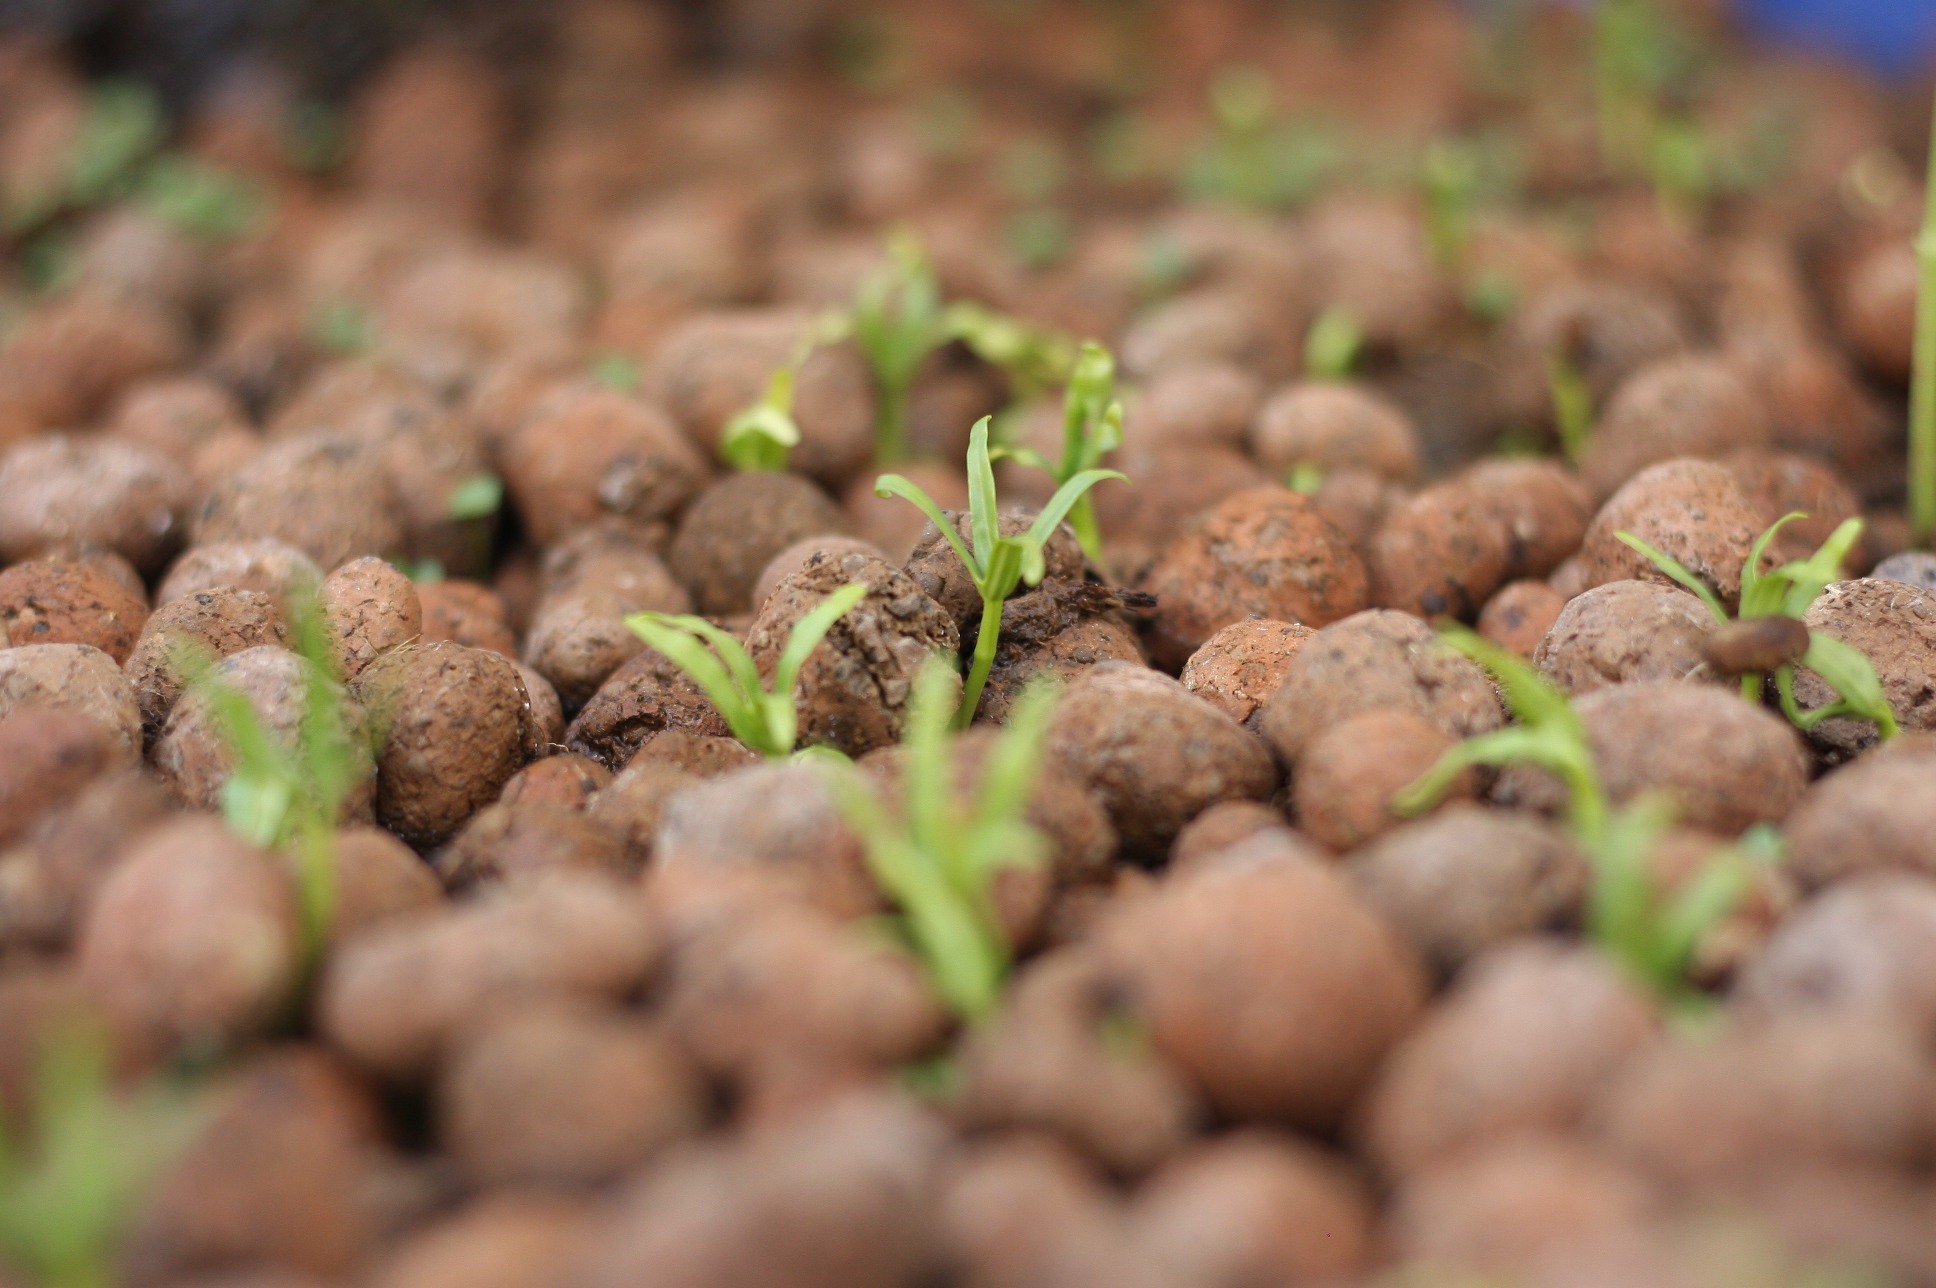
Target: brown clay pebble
{"points": [[1526, 1041], [647, 697], [368, 608], [463, 612], [220, 623], [267, 566], [632, 805], [853, 690], [553, 1095], [547, 708], [65, 491], [1347, 776], [1270, 985], [1623, 631], [451, 725], [1334, 426], [377, 877], [1863, 946], [326, 494], [733, 530], [796, 555], [1020, 1209], [1892, 625], [1220, 827], [500, 1240], [1440, 553], [1727, 765], [587, 452], [46, 756], [1238, 668], [516, 842], [1153, 754], [192, 936], [567, 781], [1471, 877], [1519, 614], [1053, 634], [1683, 405], [698, 754], [1545, 508], [176, 415], [73, 677], [1257, 1207], [1783, 483], [1775, 1095], [1197, 404], [1689, 510], [47, 879], [394, 998], [56, 601], [1872, 814], [1046, 1064], [1378, 658], [1264, 552]]}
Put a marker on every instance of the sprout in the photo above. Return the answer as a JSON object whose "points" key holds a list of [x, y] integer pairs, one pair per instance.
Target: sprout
{"points": [[1032, 358], [1654, 935], [898, 321], [937, 858], [1332, 345], [764, 719], [616, 370], [1255, 159], [476, 497], [997, 564], [1450, 177], [1304, 478], [203, 200], [1092, 427], [290, 797], [343, 328], [123, 126], [758, 439], [69, 1188], [1572, 404], [1922, 389], [1788, 591]]}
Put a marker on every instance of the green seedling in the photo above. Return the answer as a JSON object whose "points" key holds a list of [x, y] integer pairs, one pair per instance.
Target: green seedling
{"points": [[70, 1183], [202, 200], [1653, 934], [1033, 359], [1638, 55], [1922, 388], [476, 497], [1788, 591], [124, 126], [997, 564], [1304, 478], [1450, 179], [1092, 427], [616, 370], [287, 797], [898, 321], [1254, 159], [1332, 345], [1572, 404], [937, 858], [759, 438], [765, 719], [343, 328]]}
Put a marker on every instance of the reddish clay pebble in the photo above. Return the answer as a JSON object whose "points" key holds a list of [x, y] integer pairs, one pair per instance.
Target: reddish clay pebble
{"points": [[1530, 1035], [1207, 404], [1862, 947], [218, 623], [1240, 666], [193, 936], [268, 567], [177, 415], [500, 1239], [732, 531], [1378, 658], [1440, 553], [942, 577], [452, 725], [73, 677], [463, 612], [1778, 484], [1624, 631], [1347, 775], [1519, 614], [1545, 507], [1892, 625], [326, 494], [46, 756], [567, 781], [1867, 815], [68, 491], [56, 601], [1684, 405], [1263, 552], [1689, 510], [515, 842], [1221, 826], [796, 555], [1172, 487], [377, 877], [368, 608], [1334, 426], [1270, 985]]}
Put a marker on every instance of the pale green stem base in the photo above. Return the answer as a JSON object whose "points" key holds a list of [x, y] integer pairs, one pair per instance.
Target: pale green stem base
{"points": [[985, 645]]}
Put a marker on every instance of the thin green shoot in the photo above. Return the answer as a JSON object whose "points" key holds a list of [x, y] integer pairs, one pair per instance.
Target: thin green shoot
{"points": [[764, 718], [898, 321], [1652, 933], [203, 200], [1033, 359], [344, 328], [1572, 405], [1922, 388], [290, 797], [1788, 591], [1450, 178], [1333, 344], [1253, 158], [70, 1186], [995, 563], [475, 497], [938, 856], [759, 438], [616, 370], [1304, 478], [1092, 427], [124, 125]]}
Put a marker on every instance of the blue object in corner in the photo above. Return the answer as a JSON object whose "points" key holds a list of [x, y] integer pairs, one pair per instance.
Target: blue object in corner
{"points": [[1896, 36]]}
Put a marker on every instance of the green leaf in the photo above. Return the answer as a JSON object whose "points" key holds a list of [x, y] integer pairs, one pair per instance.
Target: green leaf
{"points": [[983, 520], [1675, 569], [1853, 677], [759, 439], [736, 701], [123, 125], [1808, 578], [616, 370], [1761, 595], [476, 497], [1510, 746], [1331, 346], [1304, 478], [1572, 405], [895, 485], [1704, 901], [203, 200], [1056, 510], [805, 637]]}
